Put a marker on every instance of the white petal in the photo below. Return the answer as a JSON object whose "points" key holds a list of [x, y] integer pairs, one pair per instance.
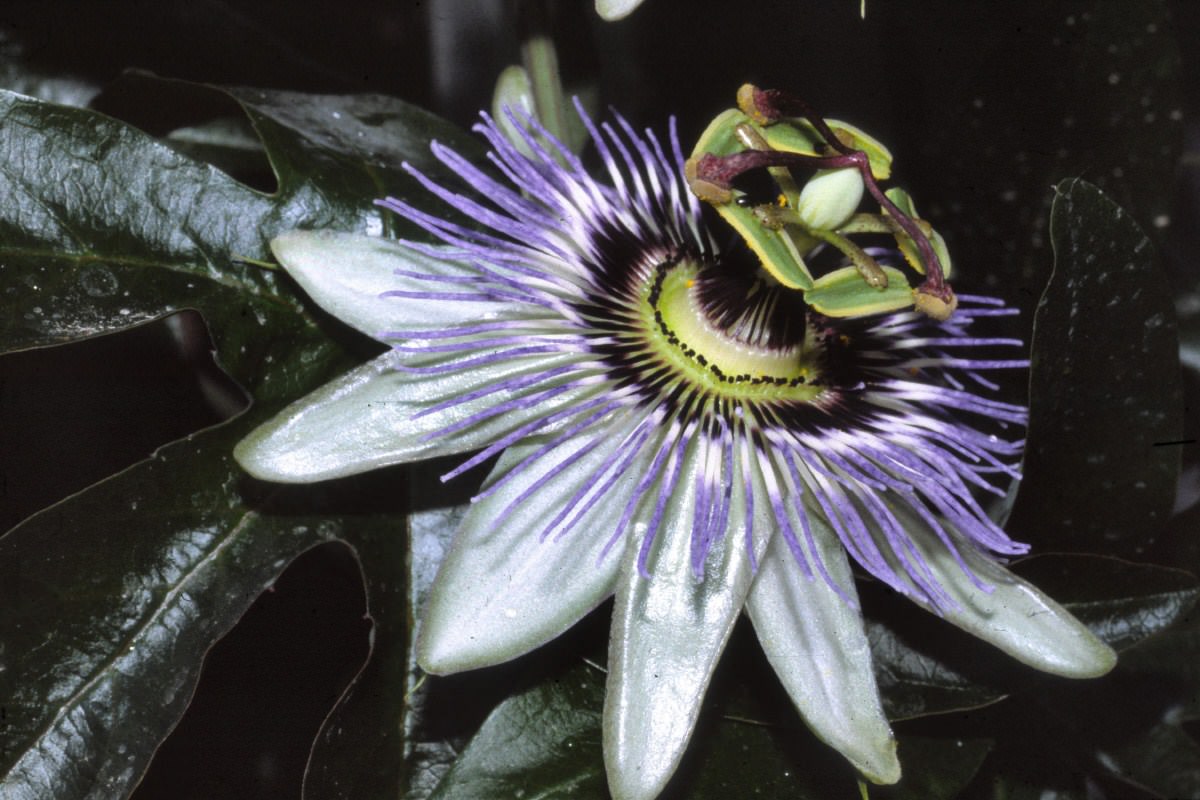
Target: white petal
{"points": [[366, 419], [613, 10], [1015, 617], [347, 275], [503, 591], [668, 633], [817, 644]]}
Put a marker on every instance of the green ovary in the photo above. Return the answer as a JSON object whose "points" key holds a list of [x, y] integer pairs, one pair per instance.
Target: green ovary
{"points": [[680, 332]]}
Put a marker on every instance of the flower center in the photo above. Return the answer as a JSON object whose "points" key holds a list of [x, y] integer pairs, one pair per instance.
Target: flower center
{"points": [[722, 358]]}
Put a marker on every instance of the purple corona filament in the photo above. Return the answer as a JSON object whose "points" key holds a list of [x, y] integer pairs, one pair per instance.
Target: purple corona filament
{"points": [[889, 433], [672, 427]]}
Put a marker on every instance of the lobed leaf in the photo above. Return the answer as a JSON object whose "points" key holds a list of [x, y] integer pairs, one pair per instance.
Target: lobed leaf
{"points": [[118, 591]]}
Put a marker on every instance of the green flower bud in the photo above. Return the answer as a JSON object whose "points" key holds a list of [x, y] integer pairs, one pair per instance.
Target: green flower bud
{"points": [[830, 198]]}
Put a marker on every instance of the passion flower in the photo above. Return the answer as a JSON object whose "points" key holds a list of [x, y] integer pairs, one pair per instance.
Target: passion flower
{"points": [[674, 426]]}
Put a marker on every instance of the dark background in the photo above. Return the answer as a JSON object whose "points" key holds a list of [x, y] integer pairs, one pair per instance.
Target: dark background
{"points": [[72, 415]]}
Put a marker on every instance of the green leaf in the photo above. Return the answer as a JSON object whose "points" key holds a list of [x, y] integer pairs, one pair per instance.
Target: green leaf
{"points": [[935, 768], [1164, 761], [111, 599], [361, 751], [383, 714], [1106, 405], [1165, 757], [545, 742], [924, 668], [103, 227], [1122, 602], [915, 682], [228, 143], [1173, 662], [117, 592], [542, 743]]}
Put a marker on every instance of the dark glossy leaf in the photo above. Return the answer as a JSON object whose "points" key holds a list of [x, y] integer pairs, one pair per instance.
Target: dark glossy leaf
{"points": [[330, 149], [542, 743], [1164, 757], [101, 405], [1073, 736], [1125, 732], [764, 763], [1173, 662], [545, 742], [1122, 602], [229, 144], [738, 754], [914, 682], [1163, 761], [293, 651], [111, 599], [744, 758], [383, 713], [924, 667], [102, 227], [935, 768], [431, 531], [361, 750], [1013, 788], [1105, 395], [750, 742], [117, 592]]}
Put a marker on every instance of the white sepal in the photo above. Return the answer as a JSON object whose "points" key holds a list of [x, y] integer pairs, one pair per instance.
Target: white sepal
{"points": [[817, 644], [503, 590], [1015, 616], [669, 630], [349, 274], [368, 418]]}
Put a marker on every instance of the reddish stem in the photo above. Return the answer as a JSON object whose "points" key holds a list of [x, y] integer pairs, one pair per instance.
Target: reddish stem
{"points": [[774, 104], [721, 170]]}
